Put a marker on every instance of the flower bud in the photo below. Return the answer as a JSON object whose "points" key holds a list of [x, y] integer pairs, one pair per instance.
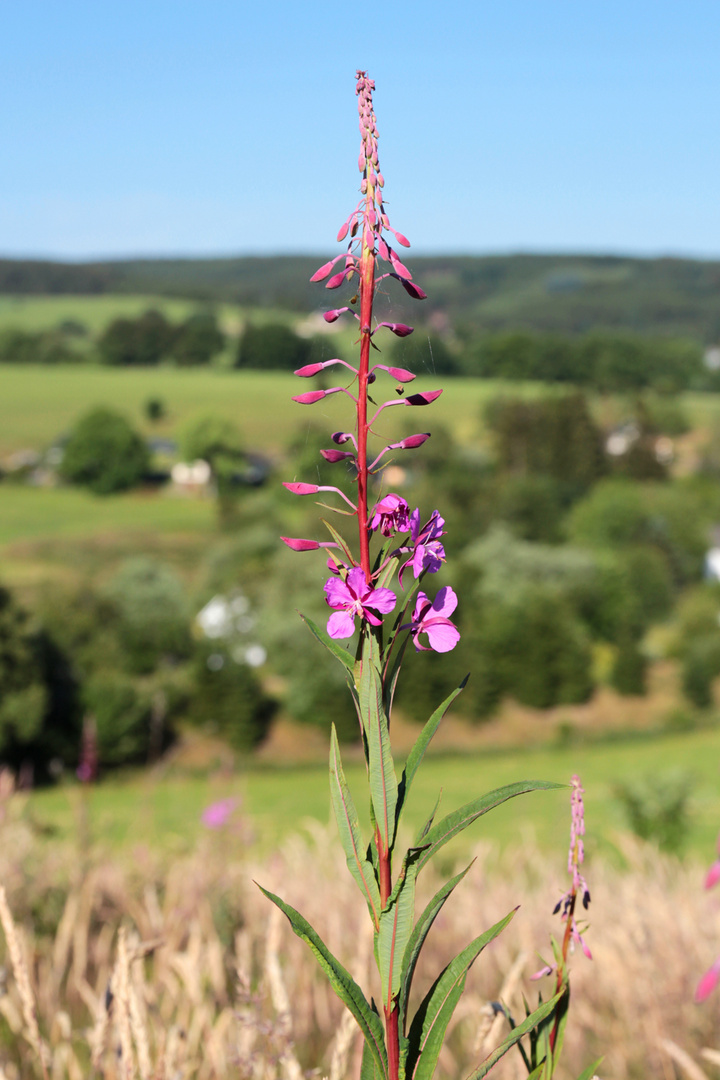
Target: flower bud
{"points": [[336, 280], [343, 231], [424, 398], [336, 455], [323, 271], [310, 398], [302, 489], [331, 316], [341, 437], [308, 370], [300, 545]]}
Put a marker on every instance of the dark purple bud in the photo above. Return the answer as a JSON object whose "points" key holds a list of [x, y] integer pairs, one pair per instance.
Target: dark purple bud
{"points": [[336, 280], [300, 545], [325, 269], [343, 231], [411, 288], [398, 328], [341, 437], [336, 455], [308, 370], [302, 489], [557, 907], [424, 398], [353, 231]]}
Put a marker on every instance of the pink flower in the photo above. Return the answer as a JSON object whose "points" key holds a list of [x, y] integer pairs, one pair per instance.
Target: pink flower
{"points": [[708, 982], [432, 619], [355, 597], [217, 814], [390, 515]]}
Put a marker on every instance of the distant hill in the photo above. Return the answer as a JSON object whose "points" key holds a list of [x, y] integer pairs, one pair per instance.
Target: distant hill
{"points": [[559, 293]]}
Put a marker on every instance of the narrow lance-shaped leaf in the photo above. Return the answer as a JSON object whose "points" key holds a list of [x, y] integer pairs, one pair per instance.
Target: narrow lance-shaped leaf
{"points": [[417, 940], [383, 781], [396, 925], [427, 1031], [345, 658], [421, 744], [455, 822], [515, 1035], [342, 983], [368, 1068], [349, 829]]}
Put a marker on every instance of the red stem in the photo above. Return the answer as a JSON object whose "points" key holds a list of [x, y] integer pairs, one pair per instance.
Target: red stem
{"points": [[367, 293], [561, 971]]}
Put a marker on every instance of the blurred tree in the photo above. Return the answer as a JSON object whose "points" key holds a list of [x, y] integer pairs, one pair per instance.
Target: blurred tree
{"points": [[153, 614], [273, 347], [143, 341], [104, 453], [217, 440], [197, 340], [228, 697]]}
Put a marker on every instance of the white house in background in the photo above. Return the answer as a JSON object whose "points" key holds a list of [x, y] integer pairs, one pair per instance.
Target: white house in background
{"points": [[227, 618], [191, 476], [711, 568], [712, 358]]}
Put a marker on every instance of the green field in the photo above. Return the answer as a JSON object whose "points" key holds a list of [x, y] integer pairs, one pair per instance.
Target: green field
{"points": [[164, 812]]}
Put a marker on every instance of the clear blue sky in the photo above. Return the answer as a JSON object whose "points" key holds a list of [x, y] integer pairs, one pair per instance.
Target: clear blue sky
{"points": [[151, 127]]}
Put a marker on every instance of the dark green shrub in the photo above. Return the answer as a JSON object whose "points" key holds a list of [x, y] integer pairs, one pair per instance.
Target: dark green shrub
{"points": [[271, 348], [197, 340], [122, 715], [700, 667], [136, 342], [104, 453], [658, 809], [227, 697], [630, 668], [153, 614]]}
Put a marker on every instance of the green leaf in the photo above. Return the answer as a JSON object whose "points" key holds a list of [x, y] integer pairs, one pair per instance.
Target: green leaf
{"points": [[417, 940], [349, 829], [396, 926], [428, 824], [342, 983], [339, 540], [587, 1074], [345, 658], [517, 1033], [457, 821], [427, 1031], [421, 744], [383, 781], [368, 1068]]}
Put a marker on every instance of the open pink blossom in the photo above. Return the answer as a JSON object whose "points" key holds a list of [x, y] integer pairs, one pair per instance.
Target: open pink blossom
{"points": [[355, 597], [218, 813], [390, 515], [432, 619]]}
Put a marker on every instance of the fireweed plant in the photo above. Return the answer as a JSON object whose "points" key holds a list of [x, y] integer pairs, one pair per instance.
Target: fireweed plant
{"points": [[407, 548]]}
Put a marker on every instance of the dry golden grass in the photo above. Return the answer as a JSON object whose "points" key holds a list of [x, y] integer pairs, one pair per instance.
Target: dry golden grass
{"points": [[166, 970]]}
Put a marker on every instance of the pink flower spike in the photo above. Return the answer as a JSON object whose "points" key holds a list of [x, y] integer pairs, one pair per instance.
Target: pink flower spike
{"points": [[713, 875], [324, 270], [425, 398], [300, 545], [309, 370], [331, 316], [708, 982], [302, 489], [336, 455]]}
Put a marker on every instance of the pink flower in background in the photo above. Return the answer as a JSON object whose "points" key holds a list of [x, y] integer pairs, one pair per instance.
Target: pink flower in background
{"points": [[217, 814], [708, 982], [355, 597], [432, 619]]}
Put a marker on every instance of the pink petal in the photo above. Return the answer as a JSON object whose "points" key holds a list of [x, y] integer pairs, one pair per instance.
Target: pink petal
{"points": [[341, 625], [300, 545], [383, 600], [708, 982], [302, 489], [445, 602], [356, 581], [337, 593], [424, 398], [442, 635], [308, 370]]}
